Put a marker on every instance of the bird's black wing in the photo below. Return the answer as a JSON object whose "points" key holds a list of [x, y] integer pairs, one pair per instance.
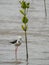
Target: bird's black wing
{"points": [[13, 42]]}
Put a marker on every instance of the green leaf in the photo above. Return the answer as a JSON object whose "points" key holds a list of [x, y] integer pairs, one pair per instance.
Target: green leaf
{"points": [[22, 12], [24, 19], [28, 5], [23, 4], [24, 27]]}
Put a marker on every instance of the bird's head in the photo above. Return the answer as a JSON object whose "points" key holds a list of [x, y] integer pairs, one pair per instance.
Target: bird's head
{"points": [[20, 38]]}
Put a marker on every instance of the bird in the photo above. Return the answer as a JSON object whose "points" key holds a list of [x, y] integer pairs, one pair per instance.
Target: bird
{"points": [[17, 44]]}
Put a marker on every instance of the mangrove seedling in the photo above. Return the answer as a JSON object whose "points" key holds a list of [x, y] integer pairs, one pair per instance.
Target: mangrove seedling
{"points": [[24, 11]]}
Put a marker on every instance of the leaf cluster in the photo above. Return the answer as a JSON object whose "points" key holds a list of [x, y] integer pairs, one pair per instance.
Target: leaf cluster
{"points": [[24, 6]]}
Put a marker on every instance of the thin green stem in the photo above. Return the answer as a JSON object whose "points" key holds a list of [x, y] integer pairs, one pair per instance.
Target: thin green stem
{"points": [[26, 46], [24, 12], [26, 38]]}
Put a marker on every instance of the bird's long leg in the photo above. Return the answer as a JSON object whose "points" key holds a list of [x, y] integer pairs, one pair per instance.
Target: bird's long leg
{"points": [[16, 48]]}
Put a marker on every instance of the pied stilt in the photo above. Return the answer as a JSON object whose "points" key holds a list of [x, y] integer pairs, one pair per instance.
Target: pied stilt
{"points": [[17, 44]]}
